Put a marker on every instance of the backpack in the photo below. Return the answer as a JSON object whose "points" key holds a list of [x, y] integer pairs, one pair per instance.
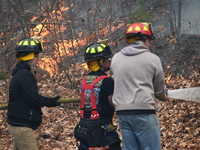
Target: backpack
{"points": [[90, 131], [90, 97]]}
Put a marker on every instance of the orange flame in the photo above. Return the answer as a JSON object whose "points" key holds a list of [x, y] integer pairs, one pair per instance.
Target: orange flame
{"points": [[34, 18], [62, 48], [84, 65], [49, 65]]}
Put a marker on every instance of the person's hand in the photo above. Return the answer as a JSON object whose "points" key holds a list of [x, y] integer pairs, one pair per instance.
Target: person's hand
{"points": [[164, 98], [53, 102]]}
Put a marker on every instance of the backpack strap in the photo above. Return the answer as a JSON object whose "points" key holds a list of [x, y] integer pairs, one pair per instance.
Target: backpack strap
{"points": [[84, 87], [94, 113]]}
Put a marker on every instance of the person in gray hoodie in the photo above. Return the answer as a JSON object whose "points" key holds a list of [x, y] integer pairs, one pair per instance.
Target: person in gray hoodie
{"points": [[139, 82]]}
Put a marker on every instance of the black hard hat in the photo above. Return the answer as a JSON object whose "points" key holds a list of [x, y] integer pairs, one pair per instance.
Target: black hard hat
{"points": [[29, 45], [97, 51]]}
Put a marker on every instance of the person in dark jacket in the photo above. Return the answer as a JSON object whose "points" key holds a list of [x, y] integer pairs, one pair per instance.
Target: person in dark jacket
{"points": [[24, 108], [95, 129]]}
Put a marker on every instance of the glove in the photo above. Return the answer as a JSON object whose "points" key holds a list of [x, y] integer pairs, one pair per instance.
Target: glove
{"points": [[52, 102], [112, 127], [108, 128]]}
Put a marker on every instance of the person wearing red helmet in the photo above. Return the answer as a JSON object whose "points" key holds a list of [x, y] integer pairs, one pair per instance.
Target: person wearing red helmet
{"points": [[139, 81]]}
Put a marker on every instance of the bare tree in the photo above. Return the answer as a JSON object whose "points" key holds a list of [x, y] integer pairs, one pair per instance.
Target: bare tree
{"points": [[175, 16], [66, 26]]}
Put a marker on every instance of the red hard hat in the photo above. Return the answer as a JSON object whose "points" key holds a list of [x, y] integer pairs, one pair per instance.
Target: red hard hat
{"points": [[140, 30]]}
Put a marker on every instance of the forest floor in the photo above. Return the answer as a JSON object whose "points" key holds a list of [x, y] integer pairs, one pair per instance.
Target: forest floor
{"points": [[179, 120]]}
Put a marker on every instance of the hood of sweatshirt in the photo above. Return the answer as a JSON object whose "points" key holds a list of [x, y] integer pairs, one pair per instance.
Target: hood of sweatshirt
{"points": [[135, 48], [21, 65]]}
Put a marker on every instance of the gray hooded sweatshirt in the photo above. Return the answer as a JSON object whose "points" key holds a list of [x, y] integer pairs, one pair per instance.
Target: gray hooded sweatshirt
{"points": [[139, 78]]}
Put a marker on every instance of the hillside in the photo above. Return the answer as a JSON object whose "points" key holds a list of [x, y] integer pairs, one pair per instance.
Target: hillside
{"points": [[179, 120]]}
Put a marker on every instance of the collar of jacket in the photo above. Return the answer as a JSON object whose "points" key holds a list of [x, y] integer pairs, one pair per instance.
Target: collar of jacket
{"points": [[21, 65]]}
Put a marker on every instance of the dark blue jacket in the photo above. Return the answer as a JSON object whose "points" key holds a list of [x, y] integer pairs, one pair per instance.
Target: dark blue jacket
{"points": [[24, 107]]}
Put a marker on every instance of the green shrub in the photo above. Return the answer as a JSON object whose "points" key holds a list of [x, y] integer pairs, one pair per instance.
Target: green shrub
{"points": [[2, 75], [141, 14]]}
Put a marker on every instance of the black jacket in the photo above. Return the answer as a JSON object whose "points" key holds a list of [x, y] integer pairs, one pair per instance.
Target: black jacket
{"points": [[106, 89], [24, 107]]}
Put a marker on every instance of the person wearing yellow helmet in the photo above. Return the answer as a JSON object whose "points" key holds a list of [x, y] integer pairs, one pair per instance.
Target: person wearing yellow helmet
{"points": [[95, 54], [24, 107], [95, 129], [139, 82]]}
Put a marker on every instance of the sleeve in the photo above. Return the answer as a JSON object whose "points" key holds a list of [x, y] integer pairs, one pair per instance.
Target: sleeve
{"points": [[108, 85], [29, 90], [159, 80]]}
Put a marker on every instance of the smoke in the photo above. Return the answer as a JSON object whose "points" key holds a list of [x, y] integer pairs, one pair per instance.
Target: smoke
{"points": [[190, 17]]}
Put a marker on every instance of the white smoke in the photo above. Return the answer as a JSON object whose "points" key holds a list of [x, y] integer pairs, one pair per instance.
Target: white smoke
{"points": [[191, 17]]}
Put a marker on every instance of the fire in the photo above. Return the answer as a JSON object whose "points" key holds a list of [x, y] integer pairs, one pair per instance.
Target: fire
{"points": [[34, 18], [49, 65], [63, 48], [40, 29], [84, 65]]}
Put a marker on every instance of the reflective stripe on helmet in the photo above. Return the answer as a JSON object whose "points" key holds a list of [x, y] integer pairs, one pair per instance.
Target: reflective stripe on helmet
{"points": [[20, 43], [33, 42], [139, 29], [99, 49], [95, 50], [104, 45], [29, 45]]}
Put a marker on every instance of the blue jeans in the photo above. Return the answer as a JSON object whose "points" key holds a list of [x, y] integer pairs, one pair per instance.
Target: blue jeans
{"points": [[140, 132]]}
